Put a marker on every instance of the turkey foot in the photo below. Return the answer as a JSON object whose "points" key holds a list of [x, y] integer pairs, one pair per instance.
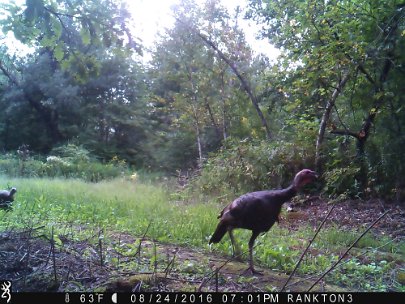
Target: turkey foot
{"points": [[252, 271], [237, 257]]}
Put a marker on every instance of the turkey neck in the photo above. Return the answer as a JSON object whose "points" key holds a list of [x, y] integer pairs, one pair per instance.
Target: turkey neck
{"points": [[289, 192], [279, 197]]}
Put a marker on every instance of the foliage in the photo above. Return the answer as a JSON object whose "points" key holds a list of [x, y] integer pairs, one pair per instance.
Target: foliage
{"points": [[197, 100], [325, 42], [57, 26], [253, 165], [342, 182], [85, 106], [72, 153], [335, 94], [91, 95], [71, 162]]}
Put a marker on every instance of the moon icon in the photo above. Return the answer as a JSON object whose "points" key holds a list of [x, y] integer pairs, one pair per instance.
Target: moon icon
{"points": [[114, 298]]}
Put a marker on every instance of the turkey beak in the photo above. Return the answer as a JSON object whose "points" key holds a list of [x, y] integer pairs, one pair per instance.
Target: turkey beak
{"points": [[315, 175]]}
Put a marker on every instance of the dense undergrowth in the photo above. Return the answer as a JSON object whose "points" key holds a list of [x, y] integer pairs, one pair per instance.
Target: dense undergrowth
{"points": [[139, 207], [243, 166], [68, 161]]}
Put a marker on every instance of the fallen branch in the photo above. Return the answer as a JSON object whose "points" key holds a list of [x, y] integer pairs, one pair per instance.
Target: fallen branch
{"points": [[348, 249], [306, 249]]}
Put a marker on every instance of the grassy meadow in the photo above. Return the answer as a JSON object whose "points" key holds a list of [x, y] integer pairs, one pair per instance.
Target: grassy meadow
{"points": [[79, 208]]}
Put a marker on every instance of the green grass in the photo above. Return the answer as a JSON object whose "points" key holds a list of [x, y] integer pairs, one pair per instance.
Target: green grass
{"points": [[121, 204], [132, 206]]}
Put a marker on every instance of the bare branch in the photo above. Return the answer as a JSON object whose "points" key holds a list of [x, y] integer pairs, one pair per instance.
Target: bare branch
{"points": [[345, 132], [326, 114]]}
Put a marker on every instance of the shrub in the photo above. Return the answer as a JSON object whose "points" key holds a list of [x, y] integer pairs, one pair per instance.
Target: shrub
{"points": [[70, 162], [342, 182], [72, 153], [246, 166]]}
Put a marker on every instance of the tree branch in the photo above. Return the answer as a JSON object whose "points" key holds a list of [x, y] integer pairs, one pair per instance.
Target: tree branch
{"points": [[326, 115], [245, 85], [345, 132]]}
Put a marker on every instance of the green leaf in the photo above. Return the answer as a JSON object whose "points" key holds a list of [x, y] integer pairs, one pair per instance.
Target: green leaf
{"points": [[57, 28], [58, 52], [85, 35]]}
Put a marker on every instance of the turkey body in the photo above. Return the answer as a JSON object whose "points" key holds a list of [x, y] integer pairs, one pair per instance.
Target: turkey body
{"points": [[257, 211]]}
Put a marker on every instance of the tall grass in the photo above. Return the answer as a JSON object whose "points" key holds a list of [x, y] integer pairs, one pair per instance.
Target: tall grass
{"points": [[117, 204]]}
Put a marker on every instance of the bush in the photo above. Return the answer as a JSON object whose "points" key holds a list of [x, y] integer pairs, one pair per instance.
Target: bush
{"points": [[342, 182], [247, 166], [71, 162], [72, 153]]}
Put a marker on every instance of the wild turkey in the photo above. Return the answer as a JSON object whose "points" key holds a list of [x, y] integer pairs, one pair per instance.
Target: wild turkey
{"points": [[7, 197], [258, 211]]}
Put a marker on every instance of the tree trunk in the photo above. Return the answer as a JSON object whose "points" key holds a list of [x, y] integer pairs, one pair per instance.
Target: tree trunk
{"points": [[325, 118], [199, 146], [212, 118], [194, 105], [224, 110], [48, 116]]}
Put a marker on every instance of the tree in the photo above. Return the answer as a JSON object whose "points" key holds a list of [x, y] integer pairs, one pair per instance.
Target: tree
{"points": [[342, 54], [81, 83], [230, 55]]}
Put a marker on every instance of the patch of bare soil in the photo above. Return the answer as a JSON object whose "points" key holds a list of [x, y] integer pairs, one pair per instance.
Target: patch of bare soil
{"points": [[349, 215]]}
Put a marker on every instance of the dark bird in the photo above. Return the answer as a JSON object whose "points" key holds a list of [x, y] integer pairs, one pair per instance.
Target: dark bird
{"points": [[258, 211], [7, 197]]}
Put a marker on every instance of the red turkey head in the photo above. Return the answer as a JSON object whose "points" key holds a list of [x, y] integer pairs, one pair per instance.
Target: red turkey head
{"points": [[304, 177]]}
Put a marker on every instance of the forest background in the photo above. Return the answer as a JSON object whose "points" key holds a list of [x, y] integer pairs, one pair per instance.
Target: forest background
{"points": [[205, 105]]}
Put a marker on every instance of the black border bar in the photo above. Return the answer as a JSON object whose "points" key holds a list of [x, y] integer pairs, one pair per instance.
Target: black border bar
{"points": [[206, 298]]}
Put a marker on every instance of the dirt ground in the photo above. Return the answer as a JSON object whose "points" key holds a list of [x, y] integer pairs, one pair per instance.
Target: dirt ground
{"points": [[121, 262], [350, 215]]}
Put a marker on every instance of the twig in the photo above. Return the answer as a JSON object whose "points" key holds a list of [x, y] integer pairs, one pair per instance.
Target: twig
{"points": [[137, 287], [138, 251], [216, 281], [100, 245], [155, 262], [170, 265], [348, 249], [119, 245], [53, 257], [306, 249]]}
